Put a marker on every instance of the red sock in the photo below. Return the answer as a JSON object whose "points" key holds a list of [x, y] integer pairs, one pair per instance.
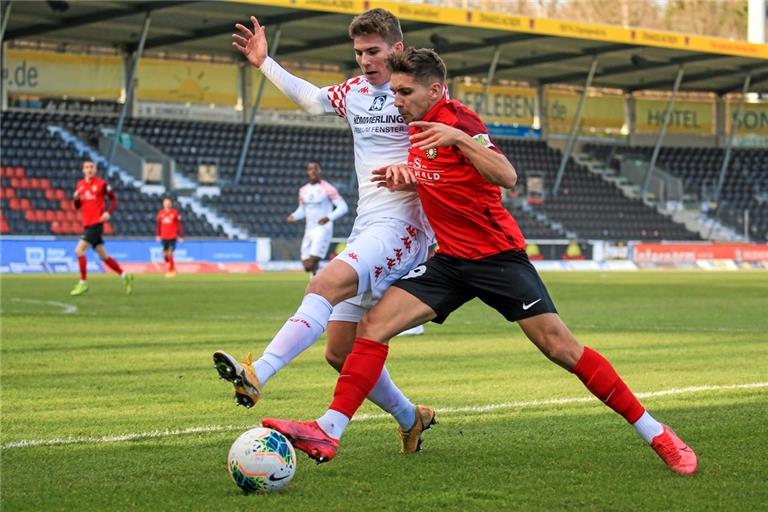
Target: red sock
{"points": [[359, 374], [111, 263], [171, 264], [83, 267], [602, 380]]}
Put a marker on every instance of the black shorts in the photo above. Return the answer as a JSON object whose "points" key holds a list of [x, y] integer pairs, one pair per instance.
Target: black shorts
{"points": [[93, 234], [169, 244], [507, 282]]}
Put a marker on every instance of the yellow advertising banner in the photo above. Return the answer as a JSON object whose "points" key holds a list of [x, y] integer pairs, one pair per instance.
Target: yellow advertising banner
{"points": [[62, 74], [549, 27], [504, 105], [273, 99], [187, 82], [693, 117], [601, 115], [754, 118]]}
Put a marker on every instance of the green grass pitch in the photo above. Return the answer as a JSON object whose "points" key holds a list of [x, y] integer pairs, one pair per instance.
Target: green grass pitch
{"points": [[140, 367]]}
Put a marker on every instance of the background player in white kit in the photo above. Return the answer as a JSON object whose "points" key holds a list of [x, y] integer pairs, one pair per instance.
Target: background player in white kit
{"points": [[390, 236], [320, 204]]}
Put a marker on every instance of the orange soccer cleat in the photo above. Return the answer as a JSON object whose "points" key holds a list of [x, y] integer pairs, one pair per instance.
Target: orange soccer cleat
{"points": [[410, 441], [677, 455], [306, 436], [241, 375]]}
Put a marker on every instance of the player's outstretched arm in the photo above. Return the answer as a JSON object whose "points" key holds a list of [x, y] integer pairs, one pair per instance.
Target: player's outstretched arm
{"points": [[492, 165], [253, 45]]}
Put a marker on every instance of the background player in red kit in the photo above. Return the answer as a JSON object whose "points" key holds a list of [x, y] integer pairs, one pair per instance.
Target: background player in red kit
{"points": [[169, 229], [457, 171], [90, 198]]}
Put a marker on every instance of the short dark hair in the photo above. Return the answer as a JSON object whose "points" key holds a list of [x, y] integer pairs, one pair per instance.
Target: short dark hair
{"points": [[424, 64], [377, 21]]}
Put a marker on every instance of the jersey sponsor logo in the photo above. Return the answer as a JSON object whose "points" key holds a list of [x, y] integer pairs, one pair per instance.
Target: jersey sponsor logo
{"points": [[379, 119], [378, 104], [528, 306], [431, 153]]}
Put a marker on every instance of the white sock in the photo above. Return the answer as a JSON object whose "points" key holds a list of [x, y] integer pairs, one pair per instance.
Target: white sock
{"points": [[648, 427], [333, 423], [123, 274], [83, 280], [296, 336], [389, 397]]}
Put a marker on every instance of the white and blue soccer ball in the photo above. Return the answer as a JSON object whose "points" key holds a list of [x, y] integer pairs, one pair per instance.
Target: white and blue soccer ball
{"points": [[261, 460]]}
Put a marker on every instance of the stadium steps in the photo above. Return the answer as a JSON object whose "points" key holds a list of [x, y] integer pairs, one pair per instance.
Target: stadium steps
{"points": [[707, 227], [213, 217], [84, 149]]}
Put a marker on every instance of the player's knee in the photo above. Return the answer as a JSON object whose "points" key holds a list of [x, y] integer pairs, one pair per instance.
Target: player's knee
{"points": [[335, 358], [369, 328], [561, 347]]}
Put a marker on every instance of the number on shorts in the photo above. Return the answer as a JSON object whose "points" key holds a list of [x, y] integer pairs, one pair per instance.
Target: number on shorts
{"points": [[416, 272]]}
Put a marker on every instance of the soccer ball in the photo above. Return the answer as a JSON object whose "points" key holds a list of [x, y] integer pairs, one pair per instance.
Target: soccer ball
{"points": [[261, 460]]}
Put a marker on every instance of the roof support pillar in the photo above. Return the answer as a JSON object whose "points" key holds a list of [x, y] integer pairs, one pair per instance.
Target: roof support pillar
{"points": [[254, 111], [735, 122], [480, 107], [4, 22], [662, 132], [574, 126], [130, 86]]}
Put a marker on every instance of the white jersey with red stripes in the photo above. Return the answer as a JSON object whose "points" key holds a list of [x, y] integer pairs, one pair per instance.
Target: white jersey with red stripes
{"points": [[380, 138], [317, 200]]}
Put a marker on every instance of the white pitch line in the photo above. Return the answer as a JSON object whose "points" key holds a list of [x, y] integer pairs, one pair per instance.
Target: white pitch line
{"points": [[156, 434], [67, 309]]}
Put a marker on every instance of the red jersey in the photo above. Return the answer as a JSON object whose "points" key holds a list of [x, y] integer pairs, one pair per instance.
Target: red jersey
{"points": [[92, 200], [169, 224], [465, 211]]}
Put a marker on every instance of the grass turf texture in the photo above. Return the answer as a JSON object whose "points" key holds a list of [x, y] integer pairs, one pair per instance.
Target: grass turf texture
{"points": [[142, 363]]}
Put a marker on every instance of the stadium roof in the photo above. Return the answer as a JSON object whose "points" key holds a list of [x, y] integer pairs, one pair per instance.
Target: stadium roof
{"points": [[540, 51]]}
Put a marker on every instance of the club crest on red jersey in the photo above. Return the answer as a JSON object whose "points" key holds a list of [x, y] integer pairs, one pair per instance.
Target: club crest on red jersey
{"points": [[431, 153]]}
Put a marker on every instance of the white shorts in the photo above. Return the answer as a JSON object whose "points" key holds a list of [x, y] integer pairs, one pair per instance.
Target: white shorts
{"points": [[316, 241], [381, 252]]}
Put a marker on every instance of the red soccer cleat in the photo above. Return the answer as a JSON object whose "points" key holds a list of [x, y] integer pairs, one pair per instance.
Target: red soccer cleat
{"points": [[306, 436], [674, 452]]}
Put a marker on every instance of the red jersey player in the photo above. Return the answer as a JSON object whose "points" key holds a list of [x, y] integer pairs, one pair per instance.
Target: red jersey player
{"points": [[90, 198], [169, 229], [457, 170]]}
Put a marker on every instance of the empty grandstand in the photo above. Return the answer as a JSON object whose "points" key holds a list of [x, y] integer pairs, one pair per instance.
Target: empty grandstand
{"points": [[540, 85]]}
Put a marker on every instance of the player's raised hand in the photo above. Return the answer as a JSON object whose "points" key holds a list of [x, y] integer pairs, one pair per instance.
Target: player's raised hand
{"points": [[434, 135], [252, 44], [394, 177]]}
